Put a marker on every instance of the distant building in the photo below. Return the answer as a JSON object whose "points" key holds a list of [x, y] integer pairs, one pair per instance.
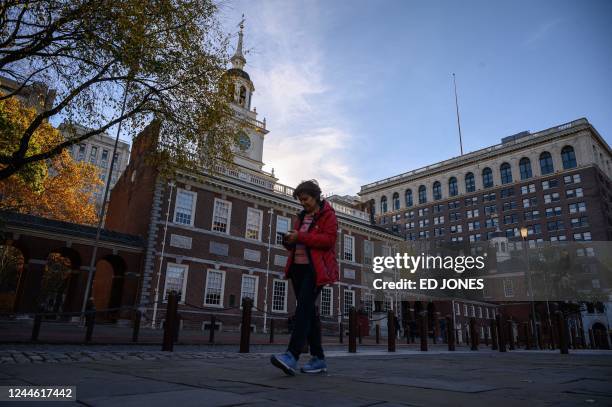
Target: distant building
{"points": [[37, 95], [97, 150]]}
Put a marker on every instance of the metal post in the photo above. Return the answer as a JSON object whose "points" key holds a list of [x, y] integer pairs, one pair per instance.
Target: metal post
{"points": [[36, 327], [352, 345], [473, 334], [423, 329], [493, 334], [377, 334], [390, 331], [450, 332], [245, 327], [92, 264], [500, 333], [161, 258], [265, 321], [171, 309], [90, 318], [136, 327], [272, 331], [562, 333], [213, 325]]}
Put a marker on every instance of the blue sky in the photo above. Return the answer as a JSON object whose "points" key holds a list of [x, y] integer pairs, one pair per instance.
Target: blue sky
{"points": [[356, 91]]}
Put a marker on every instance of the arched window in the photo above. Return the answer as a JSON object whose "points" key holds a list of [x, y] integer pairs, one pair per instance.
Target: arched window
{"points": [[396, 201], [506, 173], [470, 183], [383, 204], [525, 168], [422, 194], [408, 196], [487, 178], [546, 163], [242, 99], [568, 156], [452, 187], [437, 190]]}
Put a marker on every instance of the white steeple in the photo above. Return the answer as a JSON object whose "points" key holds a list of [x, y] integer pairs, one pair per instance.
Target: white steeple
{"points": [[238, 59]]}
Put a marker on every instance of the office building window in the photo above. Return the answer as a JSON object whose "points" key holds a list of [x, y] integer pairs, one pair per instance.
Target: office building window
{"points": [[470, 184], [487, 178], [546, 163], [568, 156]]}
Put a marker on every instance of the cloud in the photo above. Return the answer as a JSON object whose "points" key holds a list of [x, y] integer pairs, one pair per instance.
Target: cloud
{"points": [[542, 31], [308, 138]]}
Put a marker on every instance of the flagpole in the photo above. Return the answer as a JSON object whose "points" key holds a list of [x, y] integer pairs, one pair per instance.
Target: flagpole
{"points": [[458, 121]]}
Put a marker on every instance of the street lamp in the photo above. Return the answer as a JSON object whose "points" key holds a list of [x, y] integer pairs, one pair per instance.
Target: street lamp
{"points": [[524, 233]]}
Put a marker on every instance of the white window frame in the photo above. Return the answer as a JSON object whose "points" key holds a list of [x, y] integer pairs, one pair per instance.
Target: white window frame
{"points": [[242, 288], [259, 213], [352, 248], [220, 305], [285, 283], [345, 309], [185, 268], [193, 205], [229, 216], [331, 301], [279, 217]]}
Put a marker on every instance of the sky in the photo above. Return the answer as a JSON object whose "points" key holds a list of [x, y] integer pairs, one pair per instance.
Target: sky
{"points": [[357, 91]]}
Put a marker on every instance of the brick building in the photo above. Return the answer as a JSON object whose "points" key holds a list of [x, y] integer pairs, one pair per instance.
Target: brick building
{"points": [[217, 238]]}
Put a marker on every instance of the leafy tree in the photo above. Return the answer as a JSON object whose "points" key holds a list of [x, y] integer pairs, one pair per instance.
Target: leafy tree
{"points": [[57, 188], [166, 57]]}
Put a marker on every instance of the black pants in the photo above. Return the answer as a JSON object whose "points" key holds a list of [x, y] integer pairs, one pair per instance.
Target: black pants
{"points": [[306, 326]]}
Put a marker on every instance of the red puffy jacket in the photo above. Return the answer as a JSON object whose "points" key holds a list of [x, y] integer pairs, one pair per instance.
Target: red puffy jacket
{"points": [[320, 242]]}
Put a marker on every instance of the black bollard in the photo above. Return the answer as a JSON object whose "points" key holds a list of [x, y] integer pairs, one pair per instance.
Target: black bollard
{"points": [[450, 329], [562, 333], [245, 327], [271, 331], [501, 333], [390, 331], [211, 334], [352, 345], [136, 327], [90, 320], [36, 327], [341, 332], [171, 312], [473, 334], [493, 335], [423, 329], [377, 334]]}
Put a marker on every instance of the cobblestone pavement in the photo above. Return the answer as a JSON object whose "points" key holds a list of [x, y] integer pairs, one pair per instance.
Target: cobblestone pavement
{"points": [[375, 377]]}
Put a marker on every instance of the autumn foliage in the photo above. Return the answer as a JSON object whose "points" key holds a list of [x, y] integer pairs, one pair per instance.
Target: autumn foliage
{"points": [[58, 188]]}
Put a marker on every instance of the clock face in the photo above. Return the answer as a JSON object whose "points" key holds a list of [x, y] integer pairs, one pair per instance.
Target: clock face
{"points": [[244, 142]]}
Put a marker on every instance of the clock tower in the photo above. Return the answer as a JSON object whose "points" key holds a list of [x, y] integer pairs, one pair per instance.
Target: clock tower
{"points": [[249, 152]]}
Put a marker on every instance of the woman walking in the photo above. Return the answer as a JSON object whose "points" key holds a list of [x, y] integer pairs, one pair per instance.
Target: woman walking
{"points": [[311, 264]]}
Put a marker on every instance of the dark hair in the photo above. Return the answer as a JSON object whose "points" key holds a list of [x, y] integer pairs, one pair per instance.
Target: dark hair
{"points": [[309, 188]]}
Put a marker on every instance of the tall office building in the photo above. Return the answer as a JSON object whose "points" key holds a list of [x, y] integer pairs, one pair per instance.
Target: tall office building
{"points": [[98, 150]]}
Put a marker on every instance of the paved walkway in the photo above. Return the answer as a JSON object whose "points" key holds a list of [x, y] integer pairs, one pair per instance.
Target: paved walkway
{"points": [[371, 377]]}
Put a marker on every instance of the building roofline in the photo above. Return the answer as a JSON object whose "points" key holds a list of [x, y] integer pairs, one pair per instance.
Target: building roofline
{"points": [[465, 159]]}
